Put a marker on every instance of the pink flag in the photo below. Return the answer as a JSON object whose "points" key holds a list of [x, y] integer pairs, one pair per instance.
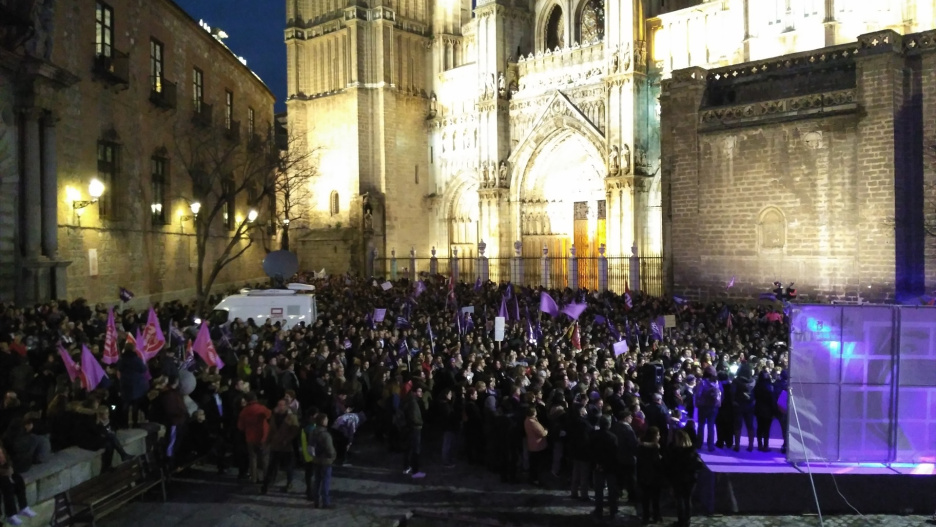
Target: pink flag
{"points": [[111, 354], [574, 310], [70, 366], [91, 371], [138, 344], [153, 338], [205, 348], [730, 283]]}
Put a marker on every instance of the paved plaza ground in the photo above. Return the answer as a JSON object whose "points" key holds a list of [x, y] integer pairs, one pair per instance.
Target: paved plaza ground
{"points": [[374, 492]]}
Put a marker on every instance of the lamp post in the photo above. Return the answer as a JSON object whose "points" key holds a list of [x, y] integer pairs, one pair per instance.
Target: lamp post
{"points": [[284, 239]]}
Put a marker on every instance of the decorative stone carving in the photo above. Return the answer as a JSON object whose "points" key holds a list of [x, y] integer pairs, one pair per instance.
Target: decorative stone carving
{"points": [[625, 160], [501, 84], [812, 140], [614, 163]]}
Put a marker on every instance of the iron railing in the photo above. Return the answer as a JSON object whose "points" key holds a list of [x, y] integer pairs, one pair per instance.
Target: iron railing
{"points": [[500, 270]]}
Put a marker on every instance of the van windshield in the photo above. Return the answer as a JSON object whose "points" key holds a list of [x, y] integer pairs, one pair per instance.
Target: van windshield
{"points": [[218, 317]]}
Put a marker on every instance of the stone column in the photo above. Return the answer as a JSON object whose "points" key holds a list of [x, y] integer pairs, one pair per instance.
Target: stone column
{"points": [[602, 269], [412, 262], [32, 199], [371, 262], [516, 267], [483, 264], [573, 269], [433, 262], [455, 265], [545, 268], [393, 264], [828, 21], [49, 189], [634, 271]]}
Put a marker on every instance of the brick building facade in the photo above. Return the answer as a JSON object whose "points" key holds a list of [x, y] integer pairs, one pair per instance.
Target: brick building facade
{"points": [[816, 167], [140, 98]]}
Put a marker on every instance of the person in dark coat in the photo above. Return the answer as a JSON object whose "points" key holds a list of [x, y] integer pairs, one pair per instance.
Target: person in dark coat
{"points": [[626, 453], [765, 407], [742, 397], [133, 383], [724, 421], [657, 414], [683, 463], [650, 475], [474, 428], [603, 447]]}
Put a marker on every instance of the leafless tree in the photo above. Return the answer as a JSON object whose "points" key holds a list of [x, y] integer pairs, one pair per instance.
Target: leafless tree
{"points": [[298, 167]]}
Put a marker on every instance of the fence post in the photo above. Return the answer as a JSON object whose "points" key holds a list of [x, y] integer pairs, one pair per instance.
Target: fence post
{"points": [[602, 269], [455, 265], [433, 262], [393, 264], [371, 261], [573, 270], [516, 271], [544, 277], [634, 270], [483, 268], [412, 264]]}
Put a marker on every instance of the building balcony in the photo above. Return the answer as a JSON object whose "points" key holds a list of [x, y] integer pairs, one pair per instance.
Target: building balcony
{"points": [[113, 68], [202, 114], [162, 93], [232, 131]]}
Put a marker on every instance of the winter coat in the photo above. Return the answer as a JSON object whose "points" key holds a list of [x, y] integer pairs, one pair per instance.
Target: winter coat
{"points": [[649, 465], [603, 448], [321, 441], [535, 435], [133, 383], [254, 422], [682, 465], [626, 443], [283, 429], [413, 413]]}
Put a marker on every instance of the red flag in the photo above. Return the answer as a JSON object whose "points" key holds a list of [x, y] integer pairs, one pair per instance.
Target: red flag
{"points": [[576, 338], [153, 339], [70, 365], [111, 354], [205, 348], [138, 344]]}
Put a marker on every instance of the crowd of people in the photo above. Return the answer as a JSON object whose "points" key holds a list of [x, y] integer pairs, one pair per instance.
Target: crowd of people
{"points": [[557, 400]]}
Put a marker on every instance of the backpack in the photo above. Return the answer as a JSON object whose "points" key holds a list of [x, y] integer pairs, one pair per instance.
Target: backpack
{"points": [[711, 396]]}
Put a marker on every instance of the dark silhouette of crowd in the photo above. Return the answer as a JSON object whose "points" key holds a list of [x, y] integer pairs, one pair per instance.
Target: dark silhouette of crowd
{"points": [[608, 427]]}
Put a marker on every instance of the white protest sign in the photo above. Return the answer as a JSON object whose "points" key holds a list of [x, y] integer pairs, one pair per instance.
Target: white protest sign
{"points": [[386, 286], [669, 321], [499, 323]]}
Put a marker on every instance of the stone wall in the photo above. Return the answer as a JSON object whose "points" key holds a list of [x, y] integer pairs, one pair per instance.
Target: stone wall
{"points": [[152, 259], [9, 189], [820, 186]]}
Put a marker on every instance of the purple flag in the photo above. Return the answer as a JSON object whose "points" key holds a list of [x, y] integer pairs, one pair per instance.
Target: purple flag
{"points": [[205, 348], [516, 308], [125, 295], [574, 311], [420, 288], [477, 286], [509, 292], [613, 330], [369, 320], [600, 319], [730, 283], [620, 348], [656, 328], [469, 322], [69, 363], [502, 312], [91, 371], [548, 305]]}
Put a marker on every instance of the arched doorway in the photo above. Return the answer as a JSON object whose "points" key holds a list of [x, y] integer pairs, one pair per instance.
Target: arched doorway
{"points": [[462, 215], [562, 198]]}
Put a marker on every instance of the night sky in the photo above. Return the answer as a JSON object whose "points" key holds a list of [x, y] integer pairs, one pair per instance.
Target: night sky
{"points": [[255, 29]]}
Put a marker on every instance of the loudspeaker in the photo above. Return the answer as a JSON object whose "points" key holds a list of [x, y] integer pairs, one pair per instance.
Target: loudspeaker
{"points": [[650, 378]]}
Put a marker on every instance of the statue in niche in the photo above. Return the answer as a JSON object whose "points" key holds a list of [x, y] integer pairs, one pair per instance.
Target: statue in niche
{"points": [[615, 62], [614, 163], [482, 169], [502, 176], [625, 160], [627, 57], [490, 86], [433, 105], [501, 84], [43, 18], [368, 210]]}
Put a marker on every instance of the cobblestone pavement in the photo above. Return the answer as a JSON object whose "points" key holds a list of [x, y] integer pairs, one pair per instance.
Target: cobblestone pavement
{"points": [[374, 492]]}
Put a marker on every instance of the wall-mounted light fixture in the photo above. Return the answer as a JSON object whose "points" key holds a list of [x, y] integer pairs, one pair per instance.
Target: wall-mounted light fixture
{"points": [[195, 207], [95, 190]]}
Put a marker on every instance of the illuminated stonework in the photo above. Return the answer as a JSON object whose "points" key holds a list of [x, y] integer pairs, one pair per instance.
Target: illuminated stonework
{"points": [[497, 120]]}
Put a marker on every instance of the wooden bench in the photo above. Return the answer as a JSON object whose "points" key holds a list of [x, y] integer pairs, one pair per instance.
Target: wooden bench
{"points": [[103, 494]]}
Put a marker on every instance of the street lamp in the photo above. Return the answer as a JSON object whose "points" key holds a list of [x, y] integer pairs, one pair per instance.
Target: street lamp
{"points": [[95, 190], [252, 215], [194, 207]]}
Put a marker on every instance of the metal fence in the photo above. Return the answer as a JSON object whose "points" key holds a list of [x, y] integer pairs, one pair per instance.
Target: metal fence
{"points": [[501, 270]]}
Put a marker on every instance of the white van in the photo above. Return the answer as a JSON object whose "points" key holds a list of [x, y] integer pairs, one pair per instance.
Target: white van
{"points": [[288, 306]]}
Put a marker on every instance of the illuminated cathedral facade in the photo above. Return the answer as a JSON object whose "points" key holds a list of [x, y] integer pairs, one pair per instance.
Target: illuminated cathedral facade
{"points": [[442, 123]]}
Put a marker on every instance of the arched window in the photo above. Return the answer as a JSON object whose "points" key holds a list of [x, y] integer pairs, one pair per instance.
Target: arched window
{"points": [[593, 21], [333, 203], [772, 226], [555, 29]]}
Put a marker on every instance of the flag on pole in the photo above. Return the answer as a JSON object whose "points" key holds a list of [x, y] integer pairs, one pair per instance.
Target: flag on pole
{"points": [[509, 293], [656, 328], [402, 323], [612, 329], [125, 295], [379, 314], [628, 300], [502, 312], [369, 320], [189, 354], [620, 348], [548, 305], [730, 283], [70, 366], [205, 348], [420, 287], [91, 371], [469, 323], [477, 286], [153, 338], [111, 353], [138, 342], [530, 336], [429, 332], [516, 308], [576, 338], [728, 322], [574, 310]]}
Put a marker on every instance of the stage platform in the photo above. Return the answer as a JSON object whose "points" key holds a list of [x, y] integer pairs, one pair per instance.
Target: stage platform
{"points": [[765, 483]]}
